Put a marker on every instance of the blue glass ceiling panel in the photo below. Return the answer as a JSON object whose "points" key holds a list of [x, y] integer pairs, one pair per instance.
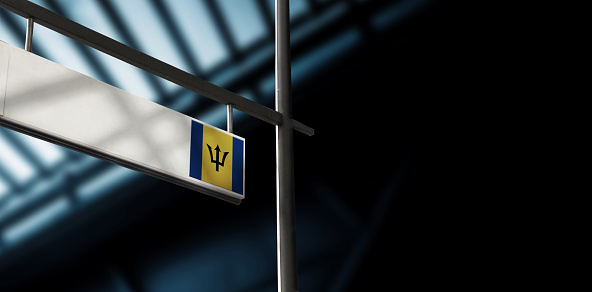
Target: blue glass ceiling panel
{"points": [[48, 154], [7, 35], [196, 24], [90, 14], [150, 34], [20, 169], [61, 50], [129, 78], [3, 190], [146, 27], [245, 21], [105, 183], [40, 219]]}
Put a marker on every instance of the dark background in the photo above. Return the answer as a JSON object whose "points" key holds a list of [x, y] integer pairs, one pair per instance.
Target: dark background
{"points": [[381, 187]]}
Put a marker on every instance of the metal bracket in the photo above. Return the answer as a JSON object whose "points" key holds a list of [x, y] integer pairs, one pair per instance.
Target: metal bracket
{"points": [[29, 38], [229, 127]]}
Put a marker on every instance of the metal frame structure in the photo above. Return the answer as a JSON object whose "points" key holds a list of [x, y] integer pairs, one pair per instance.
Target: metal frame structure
{"points": [[281, 117]]}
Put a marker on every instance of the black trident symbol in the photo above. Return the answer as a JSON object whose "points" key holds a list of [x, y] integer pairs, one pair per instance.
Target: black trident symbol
{"points": [[217, 161]]}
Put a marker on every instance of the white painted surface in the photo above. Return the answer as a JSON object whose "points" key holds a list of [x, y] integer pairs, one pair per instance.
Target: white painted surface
{"points": [[4, 55]]}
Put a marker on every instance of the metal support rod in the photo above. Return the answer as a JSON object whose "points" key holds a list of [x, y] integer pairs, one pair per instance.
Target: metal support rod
{"points": [[229, 118], [29, 38], [285, 198]]}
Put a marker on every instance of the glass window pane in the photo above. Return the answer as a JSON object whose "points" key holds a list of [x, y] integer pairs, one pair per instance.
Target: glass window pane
{"points": [[245, 21], [14, 163], [3, 189], [48, 153], [198, 28], [36, 221], [147, 28], [6, 34]]}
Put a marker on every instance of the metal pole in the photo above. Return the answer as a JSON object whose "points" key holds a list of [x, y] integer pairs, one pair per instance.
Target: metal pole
{"points": [[285, 212], [229, 128], [29, 38]]}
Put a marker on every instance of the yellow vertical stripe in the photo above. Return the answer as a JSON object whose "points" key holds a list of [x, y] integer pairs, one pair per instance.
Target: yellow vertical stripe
{"points": [[217, 139]]}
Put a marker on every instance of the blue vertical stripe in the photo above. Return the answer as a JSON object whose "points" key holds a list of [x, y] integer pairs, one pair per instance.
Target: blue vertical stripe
{"points": [[196, 151], [237, 165]]}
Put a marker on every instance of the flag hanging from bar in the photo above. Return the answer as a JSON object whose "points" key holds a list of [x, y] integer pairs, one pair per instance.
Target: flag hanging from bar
{"points": [[217, 157]]}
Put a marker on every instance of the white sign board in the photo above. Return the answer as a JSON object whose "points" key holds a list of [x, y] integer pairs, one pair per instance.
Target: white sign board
{"points": [[51, 102]]}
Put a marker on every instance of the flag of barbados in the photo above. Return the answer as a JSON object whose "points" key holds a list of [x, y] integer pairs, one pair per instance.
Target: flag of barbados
{"points": [[217, 157]]}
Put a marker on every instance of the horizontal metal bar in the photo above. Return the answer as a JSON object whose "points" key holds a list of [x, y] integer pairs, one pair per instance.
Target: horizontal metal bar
{"points": [[143, 61], [302, 128]]}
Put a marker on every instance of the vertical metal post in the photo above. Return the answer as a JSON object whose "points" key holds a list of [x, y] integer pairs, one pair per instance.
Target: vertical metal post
{"points": [[285, 212], [29, 38], [229, 127]]}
